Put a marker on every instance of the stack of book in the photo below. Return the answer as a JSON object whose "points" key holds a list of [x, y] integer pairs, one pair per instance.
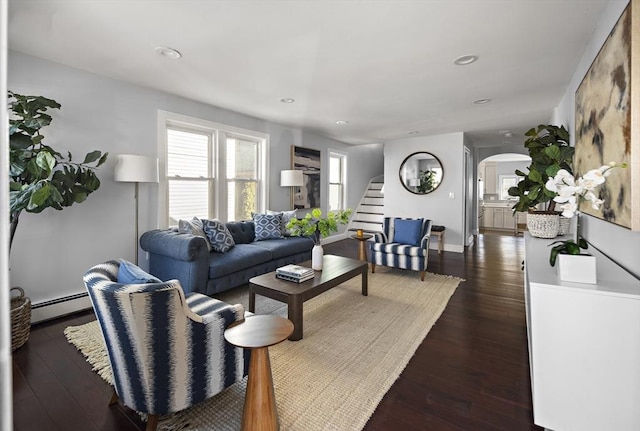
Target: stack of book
{"points": [[295, 273]]}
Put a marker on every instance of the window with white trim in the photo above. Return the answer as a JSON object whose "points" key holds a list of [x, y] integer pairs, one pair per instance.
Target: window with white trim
{"points": [[337, 176], [211, 170]]}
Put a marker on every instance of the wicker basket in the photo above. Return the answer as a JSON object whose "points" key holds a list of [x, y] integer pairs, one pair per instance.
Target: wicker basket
{"points": [[20, 319], [543, 225]]}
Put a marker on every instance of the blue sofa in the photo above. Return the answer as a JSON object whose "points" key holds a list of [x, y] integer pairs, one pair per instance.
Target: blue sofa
{"points": [[185, 257]]}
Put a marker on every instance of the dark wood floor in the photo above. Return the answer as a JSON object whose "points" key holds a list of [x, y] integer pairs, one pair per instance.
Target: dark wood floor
{"points": [[470, 373]]}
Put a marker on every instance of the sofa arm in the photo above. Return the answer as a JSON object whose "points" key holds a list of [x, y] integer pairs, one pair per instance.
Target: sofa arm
{"points": [[184, 257], [180, 246]]}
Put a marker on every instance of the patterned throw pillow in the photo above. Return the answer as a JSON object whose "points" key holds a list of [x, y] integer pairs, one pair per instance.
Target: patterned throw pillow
{"points": [[219, 236], [286, 217], [268, 226], [194, 227]]}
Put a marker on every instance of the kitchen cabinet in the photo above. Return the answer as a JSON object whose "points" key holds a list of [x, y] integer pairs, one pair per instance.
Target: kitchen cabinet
{"points": [[490, 178], [496, 217], [488, 217]]}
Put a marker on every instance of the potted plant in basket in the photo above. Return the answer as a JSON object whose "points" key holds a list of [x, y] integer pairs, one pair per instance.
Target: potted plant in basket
{"points": [[549, 149], [40, 178], [318, 227]]}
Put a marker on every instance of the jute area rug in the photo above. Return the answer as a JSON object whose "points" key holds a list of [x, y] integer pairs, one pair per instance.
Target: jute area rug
{"points": [[354, 348]]}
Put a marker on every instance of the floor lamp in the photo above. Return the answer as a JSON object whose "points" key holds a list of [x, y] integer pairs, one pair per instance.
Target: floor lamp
{"points": [[131, 168], [291, 178]]}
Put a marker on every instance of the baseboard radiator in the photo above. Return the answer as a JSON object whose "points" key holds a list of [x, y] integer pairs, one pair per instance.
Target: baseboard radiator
{"points": [[47, 310]]}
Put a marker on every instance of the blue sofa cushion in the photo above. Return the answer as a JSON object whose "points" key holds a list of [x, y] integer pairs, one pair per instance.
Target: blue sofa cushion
{"points": [[240, 257], [194, 227], [286, 246], [243, 232], [268, 226], [218, 235], [128, 273], [407, 231]]}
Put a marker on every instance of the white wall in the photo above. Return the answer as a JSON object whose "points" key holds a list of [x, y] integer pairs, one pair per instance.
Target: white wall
{"points": [[52, 250], [619, 243], [437, 205]]}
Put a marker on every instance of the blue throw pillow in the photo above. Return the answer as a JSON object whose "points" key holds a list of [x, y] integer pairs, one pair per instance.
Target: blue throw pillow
{"points": [[128, 273], [268, 226], [407, 231], [219, 236]]}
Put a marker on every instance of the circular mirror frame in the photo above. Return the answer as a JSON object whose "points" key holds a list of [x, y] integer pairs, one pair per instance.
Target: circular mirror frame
{"points": [[411, 189]]}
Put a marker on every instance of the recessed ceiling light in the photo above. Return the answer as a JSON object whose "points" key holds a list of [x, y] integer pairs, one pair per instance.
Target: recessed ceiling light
{"points": [[165, 51], [505, 133], [481, 101], [413, 132], [287, 100], [463, 60], [342, 122]]}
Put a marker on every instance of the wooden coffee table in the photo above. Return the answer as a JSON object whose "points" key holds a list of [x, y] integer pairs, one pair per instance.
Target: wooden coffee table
{"points": [[335, 270]]}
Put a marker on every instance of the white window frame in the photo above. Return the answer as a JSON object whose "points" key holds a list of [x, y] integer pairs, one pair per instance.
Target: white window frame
{"points": [[343, 161], [219, 132]]}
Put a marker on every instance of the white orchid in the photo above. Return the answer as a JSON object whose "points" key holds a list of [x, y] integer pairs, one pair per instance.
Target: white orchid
{"points": [[570, 191]]}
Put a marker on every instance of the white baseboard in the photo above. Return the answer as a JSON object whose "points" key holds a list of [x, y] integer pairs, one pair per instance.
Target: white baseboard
{"points": [[48, 310], [335, 238]]}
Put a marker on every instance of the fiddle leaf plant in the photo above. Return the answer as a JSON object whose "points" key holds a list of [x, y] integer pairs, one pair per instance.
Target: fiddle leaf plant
{"points": [[550, 151], [39, 176]]}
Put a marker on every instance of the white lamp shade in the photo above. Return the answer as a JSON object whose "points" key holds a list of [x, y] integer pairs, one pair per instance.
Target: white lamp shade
{"points": [[132, 168], [291, 178]]}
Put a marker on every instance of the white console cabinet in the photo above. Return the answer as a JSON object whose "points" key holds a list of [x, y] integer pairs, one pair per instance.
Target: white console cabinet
{"points": [[584, 345]]}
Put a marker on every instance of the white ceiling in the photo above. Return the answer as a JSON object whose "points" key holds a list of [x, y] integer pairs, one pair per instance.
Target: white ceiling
{"points": [[384, 66]]}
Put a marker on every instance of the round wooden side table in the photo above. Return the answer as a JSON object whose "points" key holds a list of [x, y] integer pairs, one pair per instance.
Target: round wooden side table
{"points": [[362, 251], [258, 333]]}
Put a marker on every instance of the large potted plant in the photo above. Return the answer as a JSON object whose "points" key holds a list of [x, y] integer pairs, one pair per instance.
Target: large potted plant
{"points": [[40, 178], [550, 151], [316, 226]]}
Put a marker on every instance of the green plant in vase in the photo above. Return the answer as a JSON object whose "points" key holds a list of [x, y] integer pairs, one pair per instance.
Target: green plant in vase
{"points": [[314, 225], [569, 193], [427, 178]]}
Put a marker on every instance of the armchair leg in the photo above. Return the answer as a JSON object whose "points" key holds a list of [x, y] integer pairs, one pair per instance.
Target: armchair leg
{"points": [[152, 422], [422, 274], [373, 268], [114, 398]]}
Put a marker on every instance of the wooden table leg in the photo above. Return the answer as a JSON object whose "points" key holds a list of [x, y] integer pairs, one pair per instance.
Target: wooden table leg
{"points": [[362, 252], [260, 411], [294, 310], [252, 300], [365, 281]]}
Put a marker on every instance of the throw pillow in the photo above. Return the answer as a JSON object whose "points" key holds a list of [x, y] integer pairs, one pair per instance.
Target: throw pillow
{"points": [[407, 231], [219, 236], [286, 217], [128, 273], [268, 226], [194, 227]]}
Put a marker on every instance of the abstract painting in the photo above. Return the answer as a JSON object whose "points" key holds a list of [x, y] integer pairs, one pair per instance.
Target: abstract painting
{"points": [[605, 130], [307, 161]]}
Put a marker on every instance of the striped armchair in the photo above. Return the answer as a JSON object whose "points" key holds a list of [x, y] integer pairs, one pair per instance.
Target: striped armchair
{"points": [[167, 350], [386, 251]]}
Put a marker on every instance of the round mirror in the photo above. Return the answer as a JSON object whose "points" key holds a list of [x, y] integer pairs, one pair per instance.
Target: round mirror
{"points": [[421, 173]]}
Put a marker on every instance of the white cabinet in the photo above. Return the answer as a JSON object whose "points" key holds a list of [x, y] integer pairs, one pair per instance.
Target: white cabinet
{"points": [[584, 345], [490, 178], [488, 217]]}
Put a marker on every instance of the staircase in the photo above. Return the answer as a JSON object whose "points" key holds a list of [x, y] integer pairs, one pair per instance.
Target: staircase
{"points": [[369, 214]]}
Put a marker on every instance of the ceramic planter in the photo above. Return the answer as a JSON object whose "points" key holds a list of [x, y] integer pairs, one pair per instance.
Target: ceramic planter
{"points": [[577, 268]]}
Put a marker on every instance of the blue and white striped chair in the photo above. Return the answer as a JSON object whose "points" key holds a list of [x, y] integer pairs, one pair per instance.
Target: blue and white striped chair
{"points": [[167, 350], [386, 251]]}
